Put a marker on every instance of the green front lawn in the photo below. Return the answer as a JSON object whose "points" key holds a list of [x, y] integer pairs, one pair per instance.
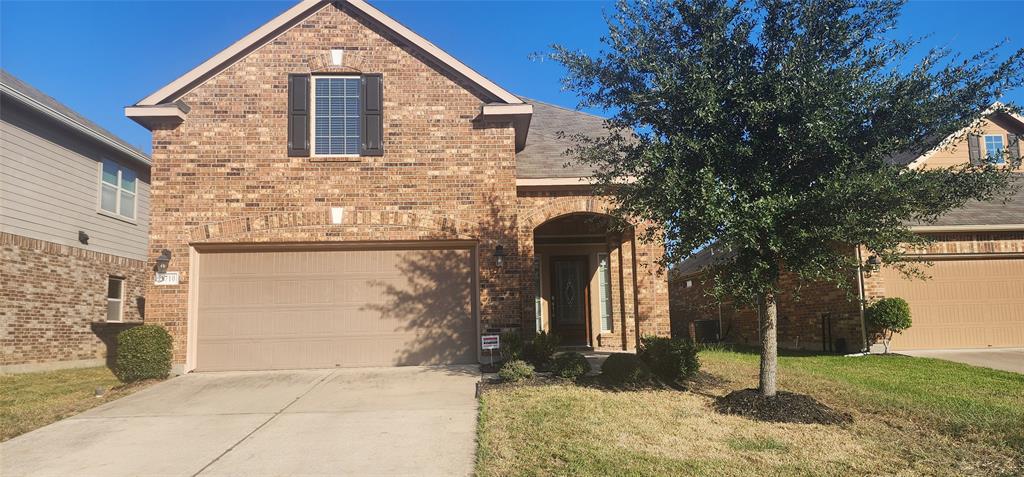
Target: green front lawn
{"points": [[912, 416], [32, 400]]}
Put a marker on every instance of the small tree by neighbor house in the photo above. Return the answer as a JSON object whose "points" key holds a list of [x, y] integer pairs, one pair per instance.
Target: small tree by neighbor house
{"points": [[772, 129], [887, 316]]}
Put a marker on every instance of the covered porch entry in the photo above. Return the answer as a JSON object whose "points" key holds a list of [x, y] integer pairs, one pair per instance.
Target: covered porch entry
{"points": [[583, 280]]}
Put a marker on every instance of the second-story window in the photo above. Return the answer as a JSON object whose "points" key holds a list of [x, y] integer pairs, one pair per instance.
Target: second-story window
{"points": [[336, 116], [994, 149], [117, 189]]}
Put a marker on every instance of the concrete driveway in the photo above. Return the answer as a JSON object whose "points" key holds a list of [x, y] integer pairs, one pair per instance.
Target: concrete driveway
{"points": [[381, 421], [1006, 359]]}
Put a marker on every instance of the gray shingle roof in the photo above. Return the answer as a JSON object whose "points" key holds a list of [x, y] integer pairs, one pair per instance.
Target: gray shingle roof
{"points": [[31, 92], [544, 154], [995, 212]]}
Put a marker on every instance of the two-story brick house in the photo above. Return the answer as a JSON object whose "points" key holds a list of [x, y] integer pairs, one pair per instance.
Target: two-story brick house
{"points": [[74, 217], [335, 190]]}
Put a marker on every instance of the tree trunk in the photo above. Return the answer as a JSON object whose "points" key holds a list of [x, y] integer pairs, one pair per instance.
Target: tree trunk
{"points": [[769, 344]]}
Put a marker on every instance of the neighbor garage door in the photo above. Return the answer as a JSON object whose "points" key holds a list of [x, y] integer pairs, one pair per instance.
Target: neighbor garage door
{"points": [[348, 308], [966, 304]]}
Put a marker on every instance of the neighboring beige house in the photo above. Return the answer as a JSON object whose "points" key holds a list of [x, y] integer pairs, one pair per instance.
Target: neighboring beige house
{"points": [[335, 190], [974, 299], [74, 225]]}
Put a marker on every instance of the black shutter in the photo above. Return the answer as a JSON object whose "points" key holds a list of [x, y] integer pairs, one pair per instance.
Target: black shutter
{"points": [[1013, 144], [373, 118], [974, 149], [298, 115]]}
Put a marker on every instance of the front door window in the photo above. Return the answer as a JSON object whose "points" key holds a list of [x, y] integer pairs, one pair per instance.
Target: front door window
{"points": [[568, 301]]}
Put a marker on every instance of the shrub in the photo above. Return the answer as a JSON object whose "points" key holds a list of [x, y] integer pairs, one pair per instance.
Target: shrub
{"points": [[143, 352], [625, 369], [541, 351], [888, 316], [570, 365], [516, 370], [511, 348], [671, 359]]}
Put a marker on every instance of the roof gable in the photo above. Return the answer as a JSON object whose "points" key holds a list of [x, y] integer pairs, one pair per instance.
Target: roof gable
{"points": [[291, 17], [953, 140]]}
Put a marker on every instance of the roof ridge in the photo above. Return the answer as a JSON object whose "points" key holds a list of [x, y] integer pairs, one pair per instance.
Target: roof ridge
{"points": [[564, 108]]}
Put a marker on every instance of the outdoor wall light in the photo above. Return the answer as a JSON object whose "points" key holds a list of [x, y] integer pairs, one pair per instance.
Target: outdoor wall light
{"points": [[163, 260], [874, 263], [499, 255], [83, 237]]}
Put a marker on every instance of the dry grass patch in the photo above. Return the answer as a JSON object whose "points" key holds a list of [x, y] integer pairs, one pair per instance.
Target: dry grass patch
{"points": [[569, 430], [32, 400], [563, 429]]}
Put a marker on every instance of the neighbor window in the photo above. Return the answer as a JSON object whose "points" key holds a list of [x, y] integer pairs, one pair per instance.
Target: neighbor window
{"points": [[115, 299], [336, 130], [117, 189], [604, 274], [994, 149]]}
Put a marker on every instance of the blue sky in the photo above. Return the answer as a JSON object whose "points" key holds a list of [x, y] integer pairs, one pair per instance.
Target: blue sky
{"points": [[97, 57]]}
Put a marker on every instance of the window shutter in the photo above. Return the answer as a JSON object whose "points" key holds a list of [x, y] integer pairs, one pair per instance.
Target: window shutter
{"points": [[974, 149], [373, 117], [298, 115], [1013, 145]]}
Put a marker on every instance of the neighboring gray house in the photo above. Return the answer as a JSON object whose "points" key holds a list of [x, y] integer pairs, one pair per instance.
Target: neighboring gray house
{"points": [[74, 228]]}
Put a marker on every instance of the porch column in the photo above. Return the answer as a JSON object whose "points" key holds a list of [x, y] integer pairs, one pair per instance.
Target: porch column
{"points": [[652, 285]]}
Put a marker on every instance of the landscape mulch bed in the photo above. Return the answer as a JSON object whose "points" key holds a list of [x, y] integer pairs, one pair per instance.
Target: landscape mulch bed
{"points": [[783, 407]]}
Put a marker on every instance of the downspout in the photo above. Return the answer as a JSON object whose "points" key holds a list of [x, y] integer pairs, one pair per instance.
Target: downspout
{"points": [[862, 299]]}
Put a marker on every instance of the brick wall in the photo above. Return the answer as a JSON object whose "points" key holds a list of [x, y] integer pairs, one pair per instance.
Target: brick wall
{"points": [[224, 174], [640, 301], [800, 321], [54, 301]]}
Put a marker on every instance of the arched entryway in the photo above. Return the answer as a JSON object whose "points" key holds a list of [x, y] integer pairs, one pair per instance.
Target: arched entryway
{"points": [[582, 281]]}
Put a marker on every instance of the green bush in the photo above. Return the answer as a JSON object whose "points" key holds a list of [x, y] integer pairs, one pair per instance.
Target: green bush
{"points": [[511, 346], [888, 316], [625, 369], [541, 351], [570, 365], [671, 359], [516, 370], [143, 352]]}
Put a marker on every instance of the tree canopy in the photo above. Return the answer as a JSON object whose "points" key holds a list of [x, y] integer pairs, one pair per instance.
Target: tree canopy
{"points": [[773, 129]]}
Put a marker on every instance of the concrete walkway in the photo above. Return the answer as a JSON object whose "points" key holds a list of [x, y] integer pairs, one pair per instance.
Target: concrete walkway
{"points": [[382, 421], [1006, 359]]}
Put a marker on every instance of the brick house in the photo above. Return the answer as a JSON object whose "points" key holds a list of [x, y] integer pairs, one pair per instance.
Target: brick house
{"points": [[335, 190], [974, 298], [74, 217]]}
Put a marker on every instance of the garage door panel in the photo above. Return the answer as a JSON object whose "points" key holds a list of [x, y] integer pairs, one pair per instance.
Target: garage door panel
{"points": [[286, 310], [965, 304]]}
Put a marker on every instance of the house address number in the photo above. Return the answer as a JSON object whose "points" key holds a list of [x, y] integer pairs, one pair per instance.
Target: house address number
{"points": [[169, 278]]}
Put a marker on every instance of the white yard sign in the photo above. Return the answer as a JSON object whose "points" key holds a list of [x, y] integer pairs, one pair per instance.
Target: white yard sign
{"points": [[489, 342]]}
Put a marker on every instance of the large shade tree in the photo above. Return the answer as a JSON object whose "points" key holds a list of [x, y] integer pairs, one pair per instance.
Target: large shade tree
{"points": [[773, 129]]}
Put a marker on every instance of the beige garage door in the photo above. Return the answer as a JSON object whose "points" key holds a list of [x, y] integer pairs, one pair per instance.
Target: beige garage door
{"points": [[316, 309], [966, 304]]}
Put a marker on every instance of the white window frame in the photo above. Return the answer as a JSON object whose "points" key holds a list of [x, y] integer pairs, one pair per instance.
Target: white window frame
{"points": [[312, 115], [604, 293], [118, 190], [119, 300], [997, 159]]}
